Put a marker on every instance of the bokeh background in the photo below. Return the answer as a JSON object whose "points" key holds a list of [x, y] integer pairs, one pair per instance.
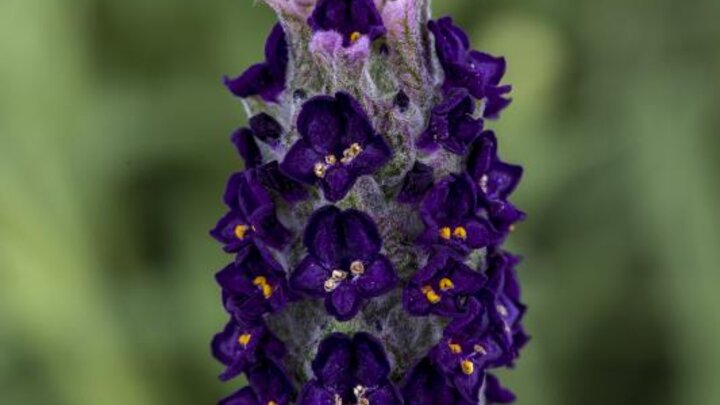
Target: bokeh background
{"points": [[114, 151]]}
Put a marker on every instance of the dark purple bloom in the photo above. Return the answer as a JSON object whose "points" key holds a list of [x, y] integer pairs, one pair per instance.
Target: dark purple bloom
{"points": [[251, 217], [478, 72], [266, 79], [426, 385], [416, 183], [273, 179], [495, 393], [266, 128], [344, 264], [268, 385], [247, 147], [450, 213], [350, 371], [495, 180], [468, 349], [337, 145], [504, 299], [254, 285], [452, 124], [439, 286], [241, 346], [488, 334], [351, 18]]}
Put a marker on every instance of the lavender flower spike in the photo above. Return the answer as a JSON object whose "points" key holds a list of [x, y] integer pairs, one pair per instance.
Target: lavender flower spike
{"points": [[366, 228]]}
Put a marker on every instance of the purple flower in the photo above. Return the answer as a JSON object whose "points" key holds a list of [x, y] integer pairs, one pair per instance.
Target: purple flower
{"points": [[503, 299], [463, 355], [350, 371], [273, 179], [344, 264], [416, 183], [440, 286], [478, 72], [247, 147], [253, 286], [351, 18], [495, 181], [488, 334], [452, 124], [337, 145], [266, 79], [268, 385], [251, 217], [240, 346], [450, 213], [426, 385], [495, 393], [266, 128]]}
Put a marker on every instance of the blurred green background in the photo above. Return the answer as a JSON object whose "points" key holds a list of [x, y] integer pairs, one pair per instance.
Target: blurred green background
{"points": [[114, 150]]}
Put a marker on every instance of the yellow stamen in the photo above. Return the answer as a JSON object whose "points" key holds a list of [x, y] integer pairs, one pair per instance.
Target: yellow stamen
{"points": [[244, 339], [355, 36], [241, 231], [339, 275], [445, 233], [467, 367], [330, 285], [272, 403], [267, 291], [330, 159], [320, 169], [455, 348], [266, 288], [446, 284], [351, 153], [357, 267], [430, 294], [460, 233]]}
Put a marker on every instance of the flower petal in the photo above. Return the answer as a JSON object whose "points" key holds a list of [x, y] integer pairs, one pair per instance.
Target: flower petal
{"points": [[372, 367], [320, 124], [324, 236], [376, 153], [269, 228], [416, 183], [496, 393], [309, 277], [332, 362], [378, 279], [299, 162], [265, 127], [344, 302], [337, 183], [362, 239], [357, 126], [247, 148], [480, 233], [315, 394]]}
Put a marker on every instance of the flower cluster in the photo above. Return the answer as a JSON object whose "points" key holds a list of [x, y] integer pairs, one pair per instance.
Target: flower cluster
{"points": [[366, 227]]}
